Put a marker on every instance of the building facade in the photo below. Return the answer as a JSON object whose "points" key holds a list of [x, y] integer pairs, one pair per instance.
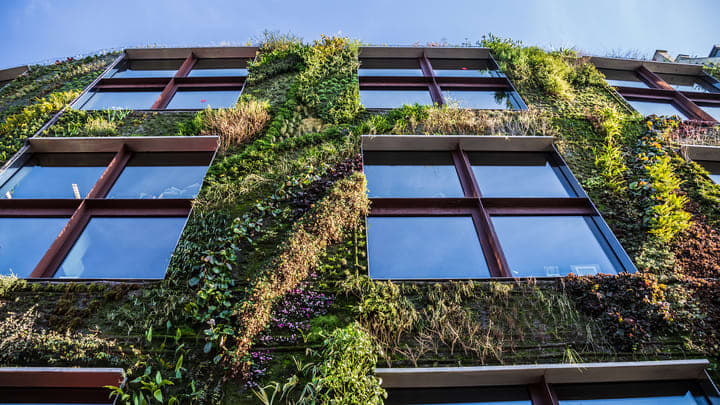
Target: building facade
{"points": [[335, 223]]}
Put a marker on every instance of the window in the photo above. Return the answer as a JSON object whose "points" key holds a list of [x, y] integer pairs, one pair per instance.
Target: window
{"points": [[706, 156], [468, 78], [713, 110], [99, 214], [58, 385], [470, 207], [176, 79], [676, 382], [656, 108], [654, 88]]}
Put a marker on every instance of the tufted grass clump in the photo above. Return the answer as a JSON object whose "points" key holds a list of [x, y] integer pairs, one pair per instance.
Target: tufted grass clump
{"points": [[238, 124]]}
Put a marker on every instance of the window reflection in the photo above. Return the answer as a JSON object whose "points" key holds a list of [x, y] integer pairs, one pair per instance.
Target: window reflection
{"points": [[637, 393], [118, 100], [551, 246], [69, 175], [687, 83], [411, 174], [424, 248], [657, 108], [481, 100], [201, 99], [394, 98], [146, 68], [24, 241], [123, 248], [623, 78], [219, 67], [713, 111], [508, 174]]}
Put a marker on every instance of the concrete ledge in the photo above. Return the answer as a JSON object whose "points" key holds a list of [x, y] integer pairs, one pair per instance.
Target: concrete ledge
{"points": [[417, 52], [700, 152], [530, 374]]}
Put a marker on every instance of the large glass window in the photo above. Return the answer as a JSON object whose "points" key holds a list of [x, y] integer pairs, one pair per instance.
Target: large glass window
{"points": [[460, 214], [551, 246], [69, 175], [646, 393], [24, 241], [424, 248], [657, 108], [411, 174], [460, 396], [125, 247], [219, 67], [394, 98], [118, 100], [389, 67], [194, 99], [123, 224], [508, 174], [713, 111], [464, 68], [688, 83], [623, 78]]}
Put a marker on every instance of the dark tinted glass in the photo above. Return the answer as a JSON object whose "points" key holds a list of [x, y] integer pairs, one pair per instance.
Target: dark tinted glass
{"points": [[623, 78], [713, 167], [219, 67], [154, 175], [547, 246], [118, 100], [511, 395], [56, 176], [123, 247], [713, 111], [508, 174], [687, 83], [411, 174], [390, 67], [424, 248], [190, 99], [481, 100], [146, 68], [658, 108], [464, 68], [636, 393], [394, 98], [24, 241]]}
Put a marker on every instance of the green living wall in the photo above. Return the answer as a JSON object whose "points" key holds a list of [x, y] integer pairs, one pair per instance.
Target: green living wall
{"points": [[267, 298]]}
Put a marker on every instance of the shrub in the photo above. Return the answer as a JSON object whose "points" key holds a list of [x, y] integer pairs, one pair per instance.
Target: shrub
{"points": [[236, 125]]}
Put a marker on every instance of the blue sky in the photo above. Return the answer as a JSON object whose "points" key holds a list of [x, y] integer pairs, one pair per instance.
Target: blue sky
{"points": [[32, 31]]}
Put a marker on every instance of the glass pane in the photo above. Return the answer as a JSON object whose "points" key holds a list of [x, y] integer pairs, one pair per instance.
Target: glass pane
{"points": [[508, 174], [658, 108], [713, 167], [481, 100], [56, 176], [118, 100], [713, 111], [623, 78], [123, 247], [411, 174], [464, 68], [146, 68], [158, 182], [390, 72], [424, 248], [687, 83], [219, 67], [551, 246], [394, 98], [24, 241], [509, 395], [637, 393], [187, 99]]}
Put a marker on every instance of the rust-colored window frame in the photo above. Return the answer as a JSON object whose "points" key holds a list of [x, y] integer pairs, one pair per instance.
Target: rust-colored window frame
{"points": [[480, 208], [660, 91], [95, 204], [59, 384], [435, 84], [540, 379], [168, 86]]}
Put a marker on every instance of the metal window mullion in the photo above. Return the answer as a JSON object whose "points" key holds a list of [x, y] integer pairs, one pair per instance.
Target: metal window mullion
{"points": [[167, 94], [110, 174], [541, 393], [679, 99], [435, 90], [494, 255]]}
